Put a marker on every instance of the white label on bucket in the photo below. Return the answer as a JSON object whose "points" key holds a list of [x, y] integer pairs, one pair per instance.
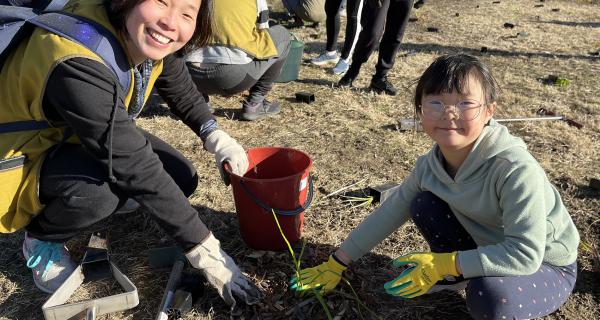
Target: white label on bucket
{"points": [[303, 183]]}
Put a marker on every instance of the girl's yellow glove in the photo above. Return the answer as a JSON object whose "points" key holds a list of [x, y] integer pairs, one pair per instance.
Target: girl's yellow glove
{"points": [[322, 278], [426, 269]]}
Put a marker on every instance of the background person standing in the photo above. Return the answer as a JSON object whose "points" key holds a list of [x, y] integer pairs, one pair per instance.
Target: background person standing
{"points": [[383, 20], [353, 15]]}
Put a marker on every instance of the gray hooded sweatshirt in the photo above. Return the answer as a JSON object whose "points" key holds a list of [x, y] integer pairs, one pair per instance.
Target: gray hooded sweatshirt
{"points": [[502, 198]]}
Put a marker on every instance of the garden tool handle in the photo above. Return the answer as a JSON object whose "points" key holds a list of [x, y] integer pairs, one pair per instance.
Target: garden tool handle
{"points": [[91, 313], [571, 122]]}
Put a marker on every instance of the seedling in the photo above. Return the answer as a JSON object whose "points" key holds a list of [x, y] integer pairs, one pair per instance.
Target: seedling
{"points": [[559, 81], [562, 82], [316, 293], [356, 202]]}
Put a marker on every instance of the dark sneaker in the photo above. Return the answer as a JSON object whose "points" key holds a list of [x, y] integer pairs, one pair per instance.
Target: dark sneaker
{"points": [[258, 110], [383, 85], [345, 81]]}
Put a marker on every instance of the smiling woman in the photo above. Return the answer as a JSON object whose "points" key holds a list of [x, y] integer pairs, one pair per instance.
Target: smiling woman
{"points": [[166, 15], [61, 186]]}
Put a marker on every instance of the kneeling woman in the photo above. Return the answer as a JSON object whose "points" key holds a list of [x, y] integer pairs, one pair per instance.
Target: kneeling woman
{"points": [[92, 157]]}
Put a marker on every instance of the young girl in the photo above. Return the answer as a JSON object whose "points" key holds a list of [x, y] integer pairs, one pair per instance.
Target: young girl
{"points": [[65, 185], [493, 221]]}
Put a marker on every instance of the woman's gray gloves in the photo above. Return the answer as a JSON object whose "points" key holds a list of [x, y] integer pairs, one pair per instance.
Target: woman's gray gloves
{"points": [[223, 274], [226, 149]]}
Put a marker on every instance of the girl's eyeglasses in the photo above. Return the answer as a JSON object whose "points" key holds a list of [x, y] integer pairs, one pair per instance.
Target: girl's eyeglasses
{"points": [[465, 110]]}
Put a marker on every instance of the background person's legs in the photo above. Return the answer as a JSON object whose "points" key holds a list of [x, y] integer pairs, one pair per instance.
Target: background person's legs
{"points": [[268, 70], [397, 19], [373, 22], [332, 23], [353, 27]]}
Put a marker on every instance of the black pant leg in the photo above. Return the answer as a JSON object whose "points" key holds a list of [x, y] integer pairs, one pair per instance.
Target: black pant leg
{"points": [[76, 193], [353, 17], [397, 19], [332, 23], [373, 22], [282, 39]]}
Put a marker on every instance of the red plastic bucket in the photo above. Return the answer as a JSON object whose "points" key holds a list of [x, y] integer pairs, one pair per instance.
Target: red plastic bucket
{"points": [[278, 179]]}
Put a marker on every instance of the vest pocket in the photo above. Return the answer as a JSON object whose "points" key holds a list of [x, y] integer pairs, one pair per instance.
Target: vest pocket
{"points": [[19, 200]]}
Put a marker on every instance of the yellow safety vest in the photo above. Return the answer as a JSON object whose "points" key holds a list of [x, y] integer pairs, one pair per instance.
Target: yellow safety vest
{"points": [[235, 26], [22, 84]]}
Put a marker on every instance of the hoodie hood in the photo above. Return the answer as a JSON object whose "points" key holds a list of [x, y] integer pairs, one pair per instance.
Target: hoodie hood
{"points": [[493, 141]]}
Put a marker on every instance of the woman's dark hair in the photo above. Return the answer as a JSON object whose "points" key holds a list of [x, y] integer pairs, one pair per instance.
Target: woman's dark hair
{"points": [[118, 10], [450, 73]]}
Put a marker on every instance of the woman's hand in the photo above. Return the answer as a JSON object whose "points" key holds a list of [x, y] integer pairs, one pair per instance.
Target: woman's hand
{"points": [[226, 149]]}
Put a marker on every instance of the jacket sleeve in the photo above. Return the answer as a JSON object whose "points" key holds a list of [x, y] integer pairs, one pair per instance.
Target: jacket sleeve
{"points": [[176, 87], [392, 214], [82, 93]]}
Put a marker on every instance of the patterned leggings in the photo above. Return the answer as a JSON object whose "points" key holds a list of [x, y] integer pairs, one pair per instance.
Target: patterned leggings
{"points": [[511, 297]]}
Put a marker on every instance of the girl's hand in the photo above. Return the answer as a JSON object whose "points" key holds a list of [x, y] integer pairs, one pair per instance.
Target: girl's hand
{"points": [[323, 277], [426, 268]]}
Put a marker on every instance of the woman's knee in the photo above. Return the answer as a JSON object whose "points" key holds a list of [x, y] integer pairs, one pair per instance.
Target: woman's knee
{"points": [[189, 187]]}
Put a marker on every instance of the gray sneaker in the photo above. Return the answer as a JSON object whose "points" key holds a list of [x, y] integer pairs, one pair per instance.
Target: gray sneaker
{"points": [[50, 262], [341, 67], [325, 59], [258, 110]]}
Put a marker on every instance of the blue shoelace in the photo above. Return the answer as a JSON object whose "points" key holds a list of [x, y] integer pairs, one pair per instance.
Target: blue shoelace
{"points": [[52, 250]]}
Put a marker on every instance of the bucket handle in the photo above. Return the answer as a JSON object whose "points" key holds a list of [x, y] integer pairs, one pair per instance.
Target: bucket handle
{"points": [[293, 212]]}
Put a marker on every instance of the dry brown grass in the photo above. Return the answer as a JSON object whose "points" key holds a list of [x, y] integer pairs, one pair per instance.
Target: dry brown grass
{"points": [[347, 134]]}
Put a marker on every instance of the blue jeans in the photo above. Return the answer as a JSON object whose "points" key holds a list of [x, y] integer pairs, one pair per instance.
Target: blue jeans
{"points": [[509, 297]]}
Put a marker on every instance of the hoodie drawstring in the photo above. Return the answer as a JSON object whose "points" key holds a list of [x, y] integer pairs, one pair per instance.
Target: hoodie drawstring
{"points": [[111, 177]]}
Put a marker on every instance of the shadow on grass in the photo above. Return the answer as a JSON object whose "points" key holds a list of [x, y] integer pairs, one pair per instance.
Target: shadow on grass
{"points": [[443, 49], [571, 23]]}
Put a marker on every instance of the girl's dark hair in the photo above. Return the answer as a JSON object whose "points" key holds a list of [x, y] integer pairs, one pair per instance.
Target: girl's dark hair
{"points": [[118, 10], [450, 73]]}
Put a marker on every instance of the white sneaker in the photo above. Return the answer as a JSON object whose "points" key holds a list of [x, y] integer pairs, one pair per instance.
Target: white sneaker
{"points": [[50, 262], [325, 59], [341, 67], [129, 207]]}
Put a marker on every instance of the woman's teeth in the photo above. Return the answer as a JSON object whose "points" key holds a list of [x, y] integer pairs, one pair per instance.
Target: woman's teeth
{"points": [[158, 37]]}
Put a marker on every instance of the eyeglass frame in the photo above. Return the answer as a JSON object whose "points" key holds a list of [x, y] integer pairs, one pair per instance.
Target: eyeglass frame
{"points": [[457, 110]]}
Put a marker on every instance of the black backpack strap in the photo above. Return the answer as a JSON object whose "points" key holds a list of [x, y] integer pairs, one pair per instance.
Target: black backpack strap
{"points": [[84, 31], [91, 35]]}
